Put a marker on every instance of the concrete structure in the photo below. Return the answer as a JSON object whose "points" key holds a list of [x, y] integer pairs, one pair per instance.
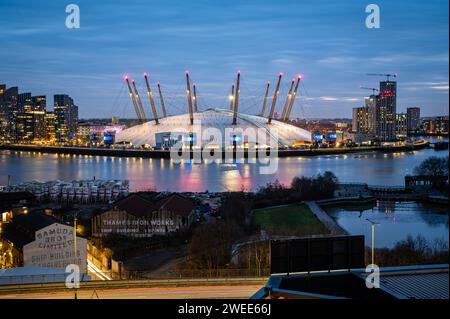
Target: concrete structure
{"points": [[152, 135]]}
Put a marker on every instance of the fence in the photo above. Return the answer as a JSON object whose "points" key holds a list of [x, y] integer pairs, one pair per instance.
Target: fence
{"points": [[190, 274]]}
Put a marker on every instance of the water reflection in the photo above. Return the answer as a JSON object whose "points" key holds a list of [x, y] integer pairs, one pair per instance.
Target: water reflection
{"points": [[396, 221], [160, 174]]}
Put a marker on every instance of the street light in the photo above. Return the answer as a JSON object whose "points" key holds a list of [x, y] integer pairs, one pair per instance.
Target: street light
{"points": [[373, 223]]}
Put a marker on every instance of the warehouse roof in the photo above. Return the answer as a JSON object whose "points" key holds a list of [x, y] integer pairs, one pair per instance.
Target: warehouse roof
{"points": [[416, 282], [139, 206], [405, 282]]}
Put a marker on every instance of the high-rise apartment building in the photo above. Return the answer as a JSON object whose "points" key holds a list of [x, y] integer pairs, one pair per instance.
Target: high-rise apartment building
{"points": [[8, 105], [401, 125], [50, 126], [413, 119], [30, 117], [66, 113], [23, 117], [386, 109], [362, 120]]}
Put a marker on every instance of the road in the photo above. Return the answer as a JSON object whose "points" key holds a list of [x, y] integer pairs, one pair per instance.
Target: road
{"points": [[189, 292]]}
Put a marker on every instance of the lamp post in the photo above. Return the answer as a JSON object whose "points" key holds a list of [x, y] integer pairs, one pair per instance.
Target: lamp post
{"points": [[373, 223]]}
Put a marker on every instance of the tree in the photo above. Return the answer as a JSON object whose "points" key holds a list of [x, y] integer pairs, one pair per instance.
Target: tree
{"points": [[322, 186], [433, 166]]}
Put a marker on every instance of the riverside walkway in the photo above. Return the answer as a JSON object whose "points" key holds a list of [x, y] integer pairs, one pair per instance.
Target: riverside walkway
{"points": [[325, 219]]}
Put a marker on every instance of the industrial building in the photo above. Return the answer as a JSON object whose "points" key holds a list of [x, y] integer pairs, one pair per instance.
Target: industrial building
{"points": [[138, 217]]}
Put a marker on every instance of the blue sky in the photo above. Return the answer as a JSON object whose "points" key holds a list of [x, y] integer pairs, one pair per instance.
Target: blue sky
{"points": [[326, 41]]}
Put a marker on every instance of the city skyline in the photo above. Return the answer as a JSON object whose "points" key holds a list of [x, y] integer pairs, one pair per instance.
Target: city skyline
{"points": [[328, 43]]}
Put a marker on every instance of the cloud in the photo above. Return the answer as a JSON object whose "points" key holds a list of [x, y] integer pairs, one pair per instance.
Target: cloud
{"points": [[337, 60], [329, 98], [440, 87], [282, 61]]}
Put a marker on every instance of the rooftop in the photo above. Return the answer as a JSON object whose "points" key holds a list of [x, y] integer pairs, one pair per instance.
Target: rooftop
{"points": [[139, 206], [22, 229], [405, 282]]}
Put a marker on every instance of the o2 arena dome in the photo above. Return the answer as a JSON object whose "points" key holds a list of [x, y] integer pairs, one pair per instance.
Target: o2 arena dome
{"points": [[153, 134], [165, 131]]}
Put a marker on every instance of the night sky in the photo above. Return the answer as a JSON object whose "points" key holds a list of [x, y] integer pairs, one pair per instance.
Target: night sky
{"points": [[326, 41]]}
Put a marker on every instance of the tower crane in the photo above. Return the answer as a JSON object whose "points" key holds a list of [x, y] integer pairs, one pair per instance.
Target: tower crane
{"points": [[366, 88], [388, 75]]}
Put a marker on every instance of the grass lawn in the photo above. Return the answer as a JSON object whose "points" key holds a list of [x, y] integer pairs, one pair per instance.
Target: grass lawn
{"points": [[296, 219]]}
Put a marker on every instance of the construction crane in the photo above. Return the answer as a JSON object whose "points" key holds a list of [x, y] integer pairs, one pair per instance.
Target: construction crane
{"points": [[388, 75], [189, 97], [232, 97], [138, 99], [288, 100], [366, 88], [152, 101], [195, 99], [132, 98], [236, 98], [274, 100], [291, 102], [161, 100], [263, 110]]}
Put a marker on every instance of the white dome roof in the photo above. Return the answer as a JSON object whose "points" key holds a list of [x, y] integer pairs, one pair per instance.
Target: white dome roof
{"points": [[211, 118]]}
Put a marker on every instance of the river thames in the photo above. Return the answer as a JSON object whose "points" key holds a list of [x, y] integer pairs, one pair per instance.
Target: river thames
{"points": [[374, 168]]}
